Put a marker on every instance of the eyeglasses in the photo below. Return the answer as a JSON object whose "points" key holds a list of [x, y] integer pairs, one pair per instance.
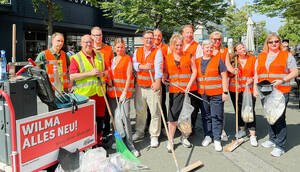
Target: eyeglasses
{"points": [[148, 38], [217, 39], [272, 42], [88, 42], [97, 35]]}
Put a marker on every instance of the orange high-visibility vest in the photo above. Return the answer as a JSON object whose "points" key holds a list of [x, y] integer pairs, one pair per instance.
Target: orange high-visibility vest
{"points": [[143, 76], [108, 54], [50, 57], [164, 49], [245, 73], [276, 70], [120, 77], [209, 83], [181, 75], [192, 48], [222, 54]]}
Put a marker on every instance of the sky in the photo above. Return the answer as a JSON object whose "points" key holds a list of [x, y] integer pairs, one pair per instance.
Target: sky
{"points": [[272, 24]]}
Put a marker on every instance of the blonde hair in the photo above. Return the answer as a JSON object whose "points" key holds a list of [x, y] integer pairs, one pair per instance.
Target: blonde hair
{"points": [[118, 40], [147, 31], [220, 34], [266, 48], [55, 34], [188, 26], [175, 37], [96, 28], [207, 42], [233, 55]]}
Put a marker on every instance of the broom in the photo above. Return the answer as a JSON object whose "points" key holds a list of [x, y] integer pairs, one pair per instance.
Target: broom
{"points": [[120, 145], [187, 168], [235, 143]]}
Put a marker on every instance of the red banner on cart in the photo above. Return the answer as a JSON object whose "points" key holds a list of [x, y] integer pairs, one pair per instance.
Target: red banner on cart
{"points": [[42, 136]]}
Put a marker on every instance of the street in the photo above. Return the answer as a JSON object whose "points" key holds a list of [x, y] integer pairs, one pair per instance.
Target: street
{"points": [[244, 158]]}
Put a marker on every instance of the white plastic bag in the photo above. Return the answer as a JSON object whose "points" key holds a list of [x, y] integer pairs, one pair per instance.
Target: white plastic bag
{"points": [[124, 165], [247, 106], [274, 105], [94, 160], [184, 119]]}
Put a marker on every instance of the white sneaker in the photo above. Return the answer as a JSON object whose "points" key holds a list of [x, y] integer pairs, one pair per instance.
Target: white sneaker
{"points": [[218, 146], [113, 146], [185, 142], [154, 142], [253, 141], [268, 144], [136, 153], [207, 140], [137, 136]]}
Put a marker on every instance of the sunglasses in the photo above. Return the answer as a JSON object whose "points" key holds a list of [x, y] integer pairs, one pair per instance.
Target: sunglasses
{"points": [[217, 39], [272, 42]]}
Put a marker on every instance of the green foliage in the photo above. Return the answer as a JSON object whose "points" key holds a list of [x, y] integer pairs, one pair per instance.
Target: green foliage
{"points": [[5, 1], [169, 15], [236, 26], [290, 31], [288, 9], [52, 9]]}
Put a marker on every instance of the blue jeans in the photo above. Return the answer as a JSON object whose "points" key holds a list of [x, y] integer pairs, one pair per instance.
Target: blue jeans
{"points": [[212, 116], [278, 131]]}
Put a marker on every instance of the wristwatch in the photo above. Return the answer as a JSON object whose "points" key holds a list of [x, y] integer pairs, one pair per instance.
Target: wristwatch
{"points": [[283, 81], [225, 92]]}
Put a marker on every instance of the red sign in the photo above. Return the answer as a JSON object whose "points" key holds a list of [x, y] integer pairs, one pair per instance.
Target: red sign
{"points": [[39, 137]]}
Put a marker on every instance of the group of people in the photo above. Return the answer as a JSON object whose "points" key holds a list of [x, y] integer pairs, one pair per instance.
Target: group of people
{"points": [[205, 71]]}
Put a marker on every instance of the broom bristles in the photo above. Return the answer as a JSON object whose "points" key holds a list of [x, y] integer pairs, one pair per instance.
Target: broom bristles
{"points": [[233, 145]]}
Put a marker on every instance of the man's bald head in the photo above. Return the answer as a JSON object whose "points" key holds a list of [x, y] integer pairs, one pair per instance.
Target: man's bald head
{"points": [[87, 43]]}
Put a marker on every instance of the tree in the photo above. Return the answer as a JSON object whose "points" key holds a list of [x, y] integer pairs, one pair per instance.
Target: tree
{"points": [[53, 13], [236, 25], [290, 31], [168, 15], [288, 9]]}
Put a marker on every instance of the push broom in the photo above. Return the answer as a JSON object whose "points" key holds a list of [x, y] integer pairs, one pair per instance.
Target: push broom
{"points": [[235, 143], [120, 145], [187, 168]]}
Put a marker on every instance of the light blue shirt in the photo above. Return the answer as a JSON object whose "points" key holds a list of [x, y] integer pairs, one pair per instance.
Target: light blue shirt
{"points": [[157, 63]]}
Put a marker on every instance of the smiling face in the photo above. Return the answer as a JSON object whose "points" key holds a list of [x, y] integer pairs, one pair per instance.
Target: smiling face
{"points": [[87, 44], [178, 46], [148, 40], [188, 34], [97, 36], [157, 37], [119, 49], [208, 50], [216, 39], [240, 50], [273, 44], [57, 42]]}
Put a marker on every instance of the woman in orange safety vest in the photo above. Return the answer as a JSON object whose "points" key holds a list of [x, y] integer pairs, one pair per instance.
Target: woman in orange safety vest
{"points": [[246, 67], [122, 88], [182, 72], [212, 87], [279, 67]]}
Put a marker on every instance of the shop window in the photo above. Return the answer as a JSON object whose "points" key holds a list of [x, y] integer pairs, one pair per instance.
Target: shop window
{"points": [[35, 42]]}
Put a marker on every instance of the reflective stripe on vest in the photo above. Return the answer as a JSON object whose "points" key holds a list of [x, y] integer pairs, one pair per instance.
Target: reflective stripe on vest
{"points": [[89, 86], [179, 76], [119, 74], [143, 76], [211, 82], [276, 70], [51, 60]]}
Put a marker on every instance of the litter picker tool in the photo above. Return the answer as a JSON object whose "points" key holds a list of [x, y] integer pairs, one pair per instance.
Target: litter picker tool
{"points": [[187, 168], [120, 145], [187, 92], [235, 143]]}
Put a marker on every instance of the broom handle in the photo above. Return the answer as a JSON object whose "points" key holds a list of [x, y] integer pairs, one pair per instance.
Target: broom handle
{"points": [[105, 98], [165, 124], [107, 105], [236, 98]]}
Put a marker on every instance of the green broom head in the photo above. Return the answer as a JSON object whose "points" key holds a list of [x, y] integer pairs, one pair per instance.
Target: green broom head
{"points": [[122, 148]]}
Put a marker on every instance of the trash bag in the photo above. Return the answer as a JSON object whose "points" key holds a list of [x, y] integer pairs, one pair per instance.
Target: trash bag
{"points": [[122, 164], [274, 105], [120, 119], [184, 119], [247, 106], [95, 160]]}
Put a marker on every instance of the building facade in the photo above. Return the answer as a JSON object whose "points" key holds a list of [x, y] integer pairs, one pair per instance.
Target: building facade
{"points": [[79, 17]]}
